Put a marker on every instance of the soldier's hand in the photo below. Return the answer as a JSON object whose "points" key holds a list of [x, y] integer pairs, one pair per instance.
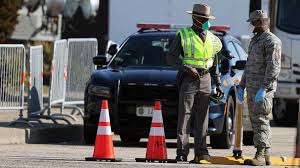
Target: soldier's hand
{"points": [[260, 95]]}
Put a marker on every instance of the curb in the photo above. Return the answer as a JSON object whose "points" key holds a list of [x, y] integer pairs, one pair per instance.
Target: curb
{"points": [[12, 136], [56, 134]]}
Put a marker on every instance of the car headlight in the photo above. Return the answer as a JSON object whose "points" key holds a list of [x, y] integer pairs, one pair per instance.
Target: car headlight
{"points": [[100, 91]]}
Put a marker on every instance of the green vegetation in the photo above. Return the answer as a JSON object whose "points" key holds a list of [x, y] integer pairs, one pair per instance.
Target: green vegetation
{"points": [[8, 17]]}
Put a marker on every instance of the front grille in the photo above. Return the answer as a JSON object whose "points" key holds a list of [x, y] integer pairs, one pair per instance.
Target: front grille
{"points": [[147, 93], [128, 117]]}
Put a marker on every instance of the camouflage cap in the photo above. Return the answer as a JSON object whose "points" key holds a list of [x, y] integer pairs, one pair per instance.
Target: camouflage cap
{"points": [[257, 14]]}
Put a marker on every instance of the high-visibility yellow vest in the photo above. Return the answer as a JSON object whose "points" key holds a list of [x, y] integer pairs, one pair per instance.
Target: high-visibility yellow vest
{"points": [[196, 53]]}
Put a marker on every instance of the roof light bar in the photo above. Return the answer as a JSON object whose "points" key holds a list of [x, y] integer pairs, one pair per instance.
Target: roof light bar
{"points": [[220, 28], [176, 26], [160, 26]]}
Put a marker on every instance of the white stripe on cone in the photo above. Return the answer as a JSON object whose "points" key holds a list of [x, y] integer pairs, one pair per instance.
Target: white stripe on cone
{"points": [[157, 131], [157, 116], [104, 116], [104, 130]]}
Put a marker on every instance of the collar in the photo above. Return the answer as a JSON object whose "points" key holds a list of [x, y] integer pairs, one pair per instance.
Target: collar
{"points": [[196, 30], [259, 36]]}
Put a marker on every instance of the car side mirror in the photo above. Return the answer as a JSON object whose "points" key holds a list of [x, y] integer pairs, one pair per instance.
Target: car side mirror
{"points": [[240, 65], [113, 49], [227, 54], [100, 60]]}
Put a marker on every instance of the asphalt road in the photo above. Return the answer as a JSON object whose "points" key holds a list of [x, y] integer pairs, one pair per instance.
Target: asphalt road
{"points": [[71, 155]]}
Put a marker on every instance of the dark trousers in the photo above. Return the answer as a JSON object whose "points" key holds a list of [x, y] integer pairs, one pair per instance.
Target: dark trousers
{"points": [[193, 103]]}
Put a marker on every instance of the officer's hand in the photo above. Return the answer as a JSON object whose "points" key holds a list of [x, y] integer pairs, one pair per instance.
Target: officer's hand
{"points": [[260, 95], [220, 92], [240, 93]]}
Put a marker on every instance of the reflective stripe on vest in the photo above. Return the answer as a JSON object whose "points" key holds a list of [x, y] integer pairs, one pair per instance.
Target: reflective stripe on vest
{"points": [[196, 53]]}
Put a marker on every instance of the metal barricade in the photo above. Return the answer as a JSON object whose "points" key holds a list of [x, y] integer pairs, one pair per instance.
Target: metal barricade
{"points": [[12, 75], [58, 80], [80, 65], [59, 62], [35, 97], [35, 88]]}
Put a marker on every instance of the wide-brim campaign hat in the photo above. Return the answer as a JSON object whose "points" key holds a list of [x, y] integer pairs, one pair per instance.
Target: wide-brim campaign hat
{"points": [[201, 10]]}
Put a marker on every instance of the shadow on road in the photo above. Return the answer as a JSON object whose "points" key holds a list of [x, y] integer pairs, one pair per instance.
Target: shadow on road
{"points": [[144, 144]]}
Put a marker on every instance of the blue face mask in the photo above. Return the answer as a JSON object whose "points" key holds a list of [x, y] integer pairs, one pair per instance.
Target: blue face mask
{"points": [[206, 25]]}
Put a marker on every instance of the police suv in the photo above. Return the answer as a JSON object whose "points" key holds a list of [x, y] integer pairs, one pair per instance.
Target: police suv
{"points": [[138, 74]]}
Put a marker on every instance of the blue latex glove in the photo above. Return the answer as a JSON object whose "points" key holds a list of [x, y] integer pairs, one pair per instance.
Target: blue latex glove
{"points": [[260, 95], [240, 93]]}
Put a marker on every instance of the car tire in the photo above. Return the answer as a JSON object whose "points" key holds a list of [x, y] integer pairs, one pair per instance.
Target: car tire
{"points": [[224, 140], [89, 134], [125, 138], [248, 138]]}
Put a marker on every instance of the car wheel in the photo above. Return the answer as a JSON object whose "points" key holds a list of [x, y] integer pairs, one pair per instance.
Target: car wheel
{"points": [[224, 140], [130, 138], [248, 138], [89, 134]]}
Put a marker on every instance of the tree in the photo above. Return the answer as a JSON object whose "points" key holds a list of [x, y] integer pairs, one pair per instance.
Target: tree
{"points": [[8, 17]]}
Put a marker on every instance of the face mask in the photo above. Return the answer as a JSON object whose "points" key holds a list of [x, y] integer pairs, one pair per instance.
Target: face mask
{"points": [[206, 25]]}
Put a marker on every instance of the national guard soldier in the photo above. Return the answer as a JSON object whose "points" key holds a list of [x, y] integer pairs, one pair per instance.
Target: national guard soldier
{"points": [[260, 80], [193, 53]]}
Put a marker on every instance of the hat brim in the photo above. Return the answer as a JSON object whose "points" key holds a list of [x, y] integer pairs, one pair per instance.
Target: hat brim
{"points": [[207, 17]]}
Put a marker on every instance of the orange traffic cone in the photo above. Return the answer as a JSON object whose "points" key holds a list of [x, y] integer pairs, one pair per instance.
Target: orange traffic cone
{"points": [[104, 148], [156, 147]]}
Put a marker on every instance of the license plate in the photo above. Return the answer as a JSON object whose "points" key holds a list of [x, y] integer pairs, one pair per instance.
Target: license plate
{"points": [[144, 111]]}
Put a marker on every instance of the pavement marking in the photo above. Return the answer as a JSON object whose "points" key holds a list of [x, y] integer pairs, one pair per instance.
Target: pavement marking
{"points": [[276, 161]]}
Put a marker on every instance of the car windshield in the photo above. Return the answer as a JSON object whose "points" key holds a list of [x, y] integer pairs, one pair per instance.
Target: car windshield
{"points": [[143, 51], [288, 11]]}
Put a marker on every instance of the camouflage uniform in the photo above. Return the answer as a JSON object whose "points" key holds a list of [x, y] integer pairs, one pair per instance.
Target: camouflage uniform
{"points": [[262, 70]]}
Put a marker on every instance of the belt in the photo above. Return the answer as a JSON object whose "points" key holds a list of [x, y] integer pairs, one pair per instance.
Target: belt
{"points": [[202, 72]]}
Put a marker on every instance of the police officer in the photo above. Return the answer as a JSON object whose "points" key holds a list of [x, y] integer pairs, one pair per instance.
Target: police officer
{"points": [[192, 52], [260, 80]]}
